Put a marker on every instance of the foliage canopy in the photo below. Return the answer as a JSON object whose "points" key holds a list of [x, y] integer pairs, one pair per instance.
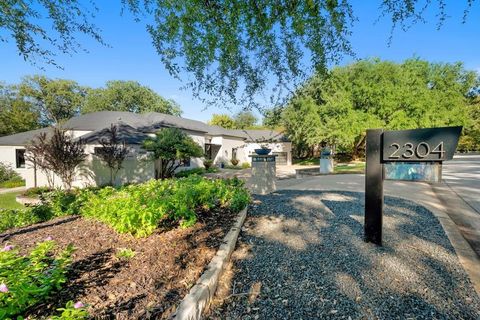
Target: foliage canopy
{"points": [[226, 51], [172, 147], [337, 109], [128, 96]]}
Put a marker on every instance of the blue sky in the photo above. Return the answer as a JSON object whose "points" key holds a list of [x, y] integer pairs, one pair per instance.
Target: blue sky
{"points": [[131, 55]]}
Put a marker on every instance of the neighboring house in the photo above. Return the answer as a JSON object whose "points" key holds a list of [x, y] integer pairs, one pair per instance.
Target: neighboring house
{"points": [[221, 145]]}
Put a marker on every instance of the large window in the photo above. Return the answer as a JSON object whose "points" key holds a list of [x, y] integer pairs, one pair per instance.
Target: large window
{"points": [[20, 158]]}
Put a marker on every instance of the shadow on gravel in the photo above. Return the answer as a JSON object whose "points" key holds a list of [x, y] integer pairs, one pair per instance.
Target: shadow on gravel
{"points": [[306, 249]]}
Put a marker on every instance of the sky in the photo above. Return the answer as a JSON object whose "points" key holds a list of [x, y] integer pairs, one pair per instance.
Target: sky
{"points": [[131, 55]]}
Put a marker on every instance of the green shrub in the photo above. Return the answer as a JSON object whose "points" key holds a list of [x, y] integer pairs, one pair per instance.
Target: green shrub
{"points": [[7, 173], [189, 172], [15, 218], [28, 280], [246, 165], [35, 191], [138, 209], [62, 202], [55, 203], [13, 183]]}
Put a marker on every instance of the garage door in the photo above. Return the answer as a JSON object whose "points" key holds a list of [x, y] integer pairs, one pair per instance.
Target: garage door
{"points": [[281, 158]]}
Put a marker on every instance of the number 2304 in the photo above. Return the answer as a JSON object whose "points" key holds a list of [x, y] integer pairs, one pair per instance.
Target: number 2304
{"points": [[421, 150]]}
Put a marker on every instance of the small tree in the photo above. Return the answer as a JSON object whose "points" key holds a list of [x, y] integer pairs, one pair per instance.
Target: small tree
{"points": [[172, 147], [112, 151], [58, 153], [35, 154]]}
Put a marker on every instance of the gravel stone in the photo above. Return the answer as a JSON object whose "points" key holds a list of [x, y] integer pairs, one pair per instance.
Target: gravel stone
{"points": [[304, 252]]}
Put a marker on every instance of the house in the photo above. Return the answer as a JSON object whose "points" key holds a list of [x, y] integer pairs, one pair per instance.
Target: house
{"points": [[221, 145]]}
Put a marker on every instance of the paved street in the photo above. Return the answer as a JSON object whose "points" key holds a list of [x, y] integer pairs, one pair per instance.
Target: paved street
{"points": [[462, 175]]}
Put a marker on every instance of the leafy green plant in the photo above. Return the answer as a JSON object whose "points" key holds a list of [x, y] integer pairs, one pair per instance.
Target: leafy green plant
{"points": [[13, 183], [15, 218], [186, 173], [7, 173], [207, 163], [62, 202], [246, 165], [173, 147], [72, 311], [35, 191], [139, 209], [26, 280], [125, 254]]}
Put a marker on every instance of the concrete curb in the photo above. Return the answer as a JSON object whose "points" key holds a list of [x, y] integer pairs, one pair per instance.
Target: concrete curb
{"points": [[453, 209], [200, 295]]}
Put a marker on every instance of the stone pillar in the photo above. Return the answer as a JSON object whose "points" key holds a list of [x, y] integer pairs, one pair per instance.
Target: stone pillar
{"points": [[326, 161], [263, 174]]}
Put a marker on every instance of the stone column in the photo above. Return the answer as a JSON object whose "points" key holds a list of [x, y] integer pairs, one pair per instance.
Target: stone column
{"points": [[263, 174], [326, 161]]}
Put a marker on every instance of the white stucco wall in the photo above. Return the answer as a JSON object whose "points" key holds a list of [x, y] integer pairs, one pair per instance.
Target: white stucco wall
{"points": [[275, 146], [227, 144], [137, 167]]}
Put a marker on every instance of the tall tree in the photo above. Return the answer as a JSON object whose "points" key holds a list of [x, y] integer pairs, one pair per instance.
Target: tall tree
{"points": [[222, 120], [374, 93], [245, 120], [54, 99], [41, 29], [226, 49], [128, 96], [16, 114]]}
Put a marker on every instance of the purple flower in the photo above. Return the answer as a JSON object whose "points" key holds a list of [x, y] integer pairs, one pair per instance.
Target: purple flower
{"points": [[3, 288], [7, 247], [49, 238], [78, 305]]}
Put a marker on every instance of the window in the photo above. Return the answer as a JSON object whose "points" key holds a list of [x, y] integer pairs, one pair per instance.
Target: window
{"points": [[20, 158], [186, 162], [234, 153]]}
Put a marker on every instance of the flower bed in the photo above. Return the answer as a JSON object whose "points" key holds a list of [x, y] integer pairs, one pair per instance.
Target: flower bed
{"points": [[135, 256]]}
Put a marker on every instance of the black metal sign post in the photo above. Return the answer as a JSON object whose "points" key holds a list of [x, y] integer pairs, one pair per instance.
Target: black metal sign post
{"points": [[374, 187], [419, 145]]}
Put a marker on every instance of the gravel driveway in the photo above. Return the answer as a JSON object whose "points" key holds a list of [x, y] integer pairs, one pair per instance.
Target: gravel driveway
{"points": [[301, 256]]}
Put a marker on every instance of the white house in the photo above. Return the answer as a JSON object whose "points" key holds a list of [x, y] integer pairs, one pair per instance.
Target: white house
{"points": [[221, 145]]}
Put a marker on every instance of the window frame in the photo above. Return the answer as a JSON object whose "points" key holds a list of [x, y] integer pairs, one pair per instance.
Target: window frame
{"points": [[20, 161]]}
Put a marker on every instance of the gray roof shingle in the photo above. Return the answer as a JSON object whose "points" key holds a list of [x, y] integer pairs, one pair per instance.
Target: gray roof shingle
{"points": [[22, 138], [140, 124]]}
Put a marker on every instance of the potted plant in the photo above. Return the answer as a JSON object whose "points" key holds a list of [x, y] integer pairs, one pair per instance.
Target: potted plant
{"points": [[234, 161], [207, 163]]}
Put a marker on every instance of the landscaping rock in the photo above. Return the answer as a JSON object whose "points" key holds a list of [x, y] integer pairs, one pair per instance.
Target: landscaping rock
{"points": [[305, 251]]}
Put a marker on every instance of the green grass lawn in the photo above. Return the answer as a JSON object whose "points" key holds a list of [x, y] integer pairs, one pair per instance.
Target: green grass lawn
{"points": [[307, 162], [7, 201], [355, 167]]}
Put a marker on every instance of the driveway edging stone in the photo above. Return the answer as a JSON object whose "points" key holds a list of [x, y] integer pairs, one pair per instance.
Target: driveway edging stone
{"points": [[202, 293]]}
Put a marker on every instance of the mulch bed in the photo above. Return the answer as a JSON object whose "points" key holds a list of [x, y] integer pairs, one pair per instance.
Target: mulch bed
{"points": [[149, 285]]}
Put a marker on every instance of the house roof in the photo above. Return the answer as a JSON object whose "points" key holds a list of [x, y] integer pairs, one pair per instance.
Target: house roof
{"points": [[22, 138], [136, 126], [103, 119], [125, 133]]}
